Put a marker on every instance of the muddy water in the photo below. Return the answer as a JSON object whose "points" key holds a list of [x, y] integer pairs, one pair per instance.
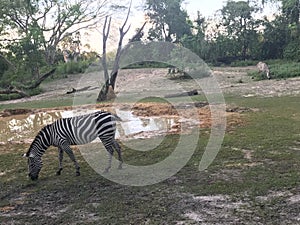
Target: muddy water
{"points": [[23, 128]]}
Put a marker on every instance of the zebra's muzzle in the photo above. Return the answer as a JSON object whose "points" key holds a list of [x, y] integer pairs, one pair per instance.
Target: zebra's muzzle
{"points": [[33, 177]]}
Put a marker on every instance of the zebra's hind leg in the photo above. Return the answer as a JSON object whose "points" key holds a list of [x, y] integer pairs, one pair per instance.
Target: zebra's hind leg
{"points": [[60, 159], [110, 151], [119, 151], [70, 153]]}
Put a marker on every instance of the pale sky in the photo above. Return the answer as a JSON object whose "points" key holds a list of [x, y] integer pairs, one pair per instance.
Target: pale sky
{"points": [[207, 8]]}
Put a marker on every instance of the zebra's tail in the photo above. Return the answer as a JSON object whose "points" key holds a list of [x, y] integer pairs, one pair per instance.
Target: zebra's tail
{"points": [[117, 118]]}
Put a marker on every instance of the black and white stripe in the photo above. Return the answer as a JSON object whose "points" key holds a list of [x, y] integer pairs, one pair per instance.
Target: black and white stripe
{"points": [[74, 131]]}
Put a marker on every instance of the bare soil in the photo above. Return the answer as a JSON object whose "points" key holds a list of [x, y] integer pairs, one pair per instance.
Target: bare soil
{"points": [[231, 80]]}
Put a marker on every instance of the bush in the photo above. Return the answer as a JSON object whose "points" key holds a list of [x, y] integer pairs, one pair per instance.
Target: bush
{"points": [[292, 51], [244, 63], [72, 67], [286, 70]]}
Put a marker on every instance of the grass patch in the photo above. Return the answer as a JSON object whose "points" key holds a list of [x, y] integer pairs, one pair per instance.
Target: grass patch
{"points": [[269, 135]]}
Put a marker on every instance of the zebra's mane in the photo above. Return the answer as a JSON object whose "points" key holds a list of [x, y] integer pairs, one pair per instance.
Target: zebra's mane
{"points": [[42, 131]]}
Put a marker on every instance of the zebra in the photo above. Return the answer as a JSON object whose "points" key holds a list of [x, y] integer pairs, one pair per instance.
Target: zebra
{"points": [[263, 67], [76, 130]]}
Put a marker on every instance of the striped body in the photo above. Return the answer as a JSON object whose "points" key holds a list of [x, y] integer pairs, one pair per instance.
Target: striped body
{"points": [[84, 129], [73, 131]]}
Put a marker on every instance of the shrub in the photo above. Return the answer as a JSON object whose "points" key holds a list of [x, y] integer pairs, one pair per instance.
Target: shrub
{"points": [[292, 51], [72, 67], [286, 70], [244, 63]]}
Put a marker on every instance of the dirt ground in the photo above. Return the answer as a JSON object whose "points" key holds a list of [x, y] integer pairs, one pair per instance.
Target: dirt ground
{"points": [[231, 81]]}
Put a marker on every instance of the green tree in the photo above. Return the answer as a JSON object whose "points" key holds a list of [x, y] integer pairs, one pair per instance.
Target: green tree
{"points": [[240, 25], [197, 41], [45, 23], [169, 21], [282, 35]]}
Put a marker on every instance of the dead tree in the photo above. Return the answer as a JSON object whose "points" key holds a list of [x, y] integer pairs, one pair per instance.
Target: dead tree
{"points": [[110, 81]]}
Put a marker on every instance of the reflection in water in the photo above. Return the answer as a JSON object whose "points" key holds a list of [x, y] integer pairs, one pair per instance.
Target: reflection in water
{"points": [[23, 128], [142, 127]]}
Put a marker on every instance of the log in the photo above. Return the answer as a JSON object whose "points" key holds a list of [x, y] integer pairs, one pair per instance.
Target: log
{"points": [[14, 90], [80, 89], [41, 79], [187, 93]]}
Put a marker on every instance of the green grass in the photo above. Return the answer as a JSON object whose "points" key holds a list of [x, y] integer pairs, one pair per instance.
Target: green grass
{"points": [[270, 133]]}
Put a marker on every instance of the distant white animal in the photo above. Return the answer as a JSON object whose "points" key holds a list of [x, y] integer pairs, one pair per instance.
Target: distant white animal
{"points": [[263, 67]]}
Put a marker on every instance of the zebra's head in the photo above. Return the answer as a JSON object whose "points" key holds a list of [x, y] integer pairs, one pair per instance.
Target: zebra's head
{"points": [[34, 166]]}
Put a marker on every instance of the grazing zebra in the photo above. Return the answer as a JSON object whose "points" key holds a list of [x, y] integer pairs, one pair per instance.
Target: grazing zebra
{"points": [[73, 131], [263, 67]]}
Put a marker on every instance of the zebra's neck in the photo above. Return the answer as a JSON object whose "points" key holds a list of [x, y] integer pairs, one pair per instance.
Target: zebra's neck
{"points": [[41, 142]]}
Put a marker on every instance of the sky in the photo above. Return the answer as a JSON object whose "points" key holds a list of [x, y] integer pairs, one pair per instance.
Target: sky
{"points": [[209, 7], [206, 7]]}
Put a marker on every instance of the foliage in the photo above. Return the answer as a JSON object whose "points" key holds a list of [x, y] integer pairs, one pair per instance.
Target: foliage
{"points": [[292, 50], [32, 30], [166, 26], [274, 38], [286, 70], [72, 67], [239, 36], [237, 18], [244, 63], [3, 66]]}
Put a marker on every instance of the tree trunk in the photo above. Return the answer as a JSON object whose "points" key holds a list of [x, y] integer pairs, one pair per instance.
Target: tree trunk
{"points": [[22, 93], [40, 80], [102, 94], [50, 55]]}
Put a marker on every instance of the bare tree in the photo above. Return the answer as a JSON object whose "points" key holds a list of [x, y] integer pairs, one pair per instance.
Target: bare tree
{"points": [[107, 90], [110, 80]]}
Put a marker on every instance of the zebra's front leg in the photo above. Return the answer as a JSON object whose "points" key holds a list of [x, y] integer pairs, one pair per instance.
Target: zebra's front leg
{"points": [[60, 159], [70, 153]]}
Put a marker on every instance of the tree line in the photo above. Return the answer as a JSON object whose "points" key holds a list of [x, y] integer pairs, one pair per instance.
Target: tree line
{"points": [[235, 33]]}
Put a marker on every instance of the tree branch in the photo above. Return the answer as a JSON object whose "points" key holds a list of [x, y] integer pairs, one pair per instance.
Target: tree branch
{"points": [[8, 62], [115, 69]]}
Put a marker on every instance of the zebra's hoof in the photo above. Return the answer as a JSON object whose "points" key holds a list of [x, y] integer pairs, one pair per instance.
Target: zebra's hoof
{"points": [[58, 173], [77, 174], [120, 167]]}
